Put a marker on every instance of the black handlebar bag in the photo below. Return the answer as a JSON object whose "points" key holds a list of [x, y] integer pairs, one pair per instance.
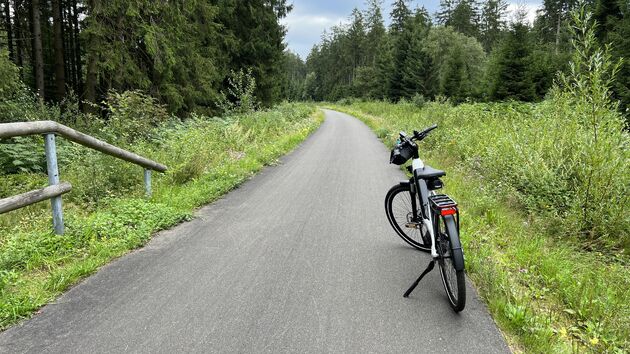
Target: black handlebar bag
{"points": [[401, 153]]}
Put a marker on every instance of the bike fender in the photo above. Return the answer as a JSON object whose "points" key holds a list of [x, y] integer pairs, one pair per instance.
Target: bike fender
{"points": [[405, 183], [409, 184], [458, 253]]}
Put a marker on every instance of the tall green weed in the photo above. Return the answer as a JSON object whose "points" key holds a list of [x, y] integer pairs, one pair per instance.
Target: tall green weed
{"points": [[600, 205], [539, 155]]}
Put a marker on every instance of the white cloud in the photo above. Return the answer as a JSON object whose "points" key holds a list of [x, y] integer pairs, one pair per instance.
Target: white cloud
{"points": [[530, 9], [312, 20], [310, 25], [304, 30]]}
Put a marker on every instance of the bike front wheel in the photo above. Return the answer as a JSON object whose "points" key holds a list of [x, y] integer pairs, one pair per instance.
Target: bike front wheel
{"points": [[400, 214], [451, 261]]}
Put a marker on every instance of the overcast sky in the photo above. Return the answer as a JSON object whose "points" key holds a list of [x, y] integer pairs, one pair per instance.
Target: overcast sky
{"points": [[310, 18]]}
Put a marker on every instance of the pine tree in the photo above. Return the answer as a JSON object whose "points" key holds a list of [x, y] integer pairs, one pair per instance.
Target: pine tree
{"points": [[384, 67], [464, 18], [492, 22], [512, 78], [254, 39], [400, 16], [295, 75], [375, 31], [607, 13], [445, 14], [417, 68], [619, 37], [401, 33], [552, 21], [367, 79], [164, 48], [356, 41], [457, 63]]}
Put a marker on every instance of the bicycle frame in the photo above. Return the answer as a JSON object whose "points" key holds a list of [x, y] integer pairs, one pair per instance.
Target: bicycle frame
{"points": [[420, 186]]}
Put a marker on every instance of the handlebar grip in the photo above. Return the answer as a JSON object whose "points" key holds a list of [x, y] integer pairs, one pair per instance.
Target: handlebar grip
{"points": [[424, 133], [431, 128]]}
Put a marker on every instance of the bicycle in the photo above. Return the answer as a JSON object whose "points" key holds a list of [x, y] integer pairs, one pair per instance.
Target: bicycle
{"points": [[426, 220]]}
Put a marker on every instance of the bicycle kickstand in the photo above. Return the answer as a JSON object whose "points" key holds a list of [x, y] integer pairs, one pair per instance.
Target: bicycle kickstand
{"points": [[426, 271]]}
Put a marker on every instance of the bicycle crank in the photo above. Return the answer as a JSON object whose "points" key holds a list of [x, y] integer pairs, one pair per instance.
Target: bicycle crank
{"points": [[413, 225]]}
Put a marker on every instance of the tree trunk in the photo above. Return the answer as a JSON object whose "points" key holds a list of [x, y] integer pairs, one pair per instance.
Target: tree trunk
{"points": [[92, 57], [68, 46], [38, 56], [60, 70], [19, 41], [9, 28], [77, 48], [90, 88]]}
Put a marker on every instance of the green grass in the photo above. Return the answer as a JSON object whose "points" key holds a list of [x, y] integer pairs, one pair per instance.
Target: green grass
{"points": [[546, 290], [106, 214]]}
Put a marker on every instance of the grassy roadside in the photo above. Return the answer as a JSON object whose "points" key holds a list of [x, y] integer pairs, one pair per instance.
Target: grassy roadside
{"points": [[206, 159], [544, 290]]}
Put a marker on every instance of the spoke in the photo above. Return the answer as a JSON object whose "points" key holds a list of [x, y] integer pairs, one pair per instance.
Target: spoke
{"points": [[402, 211]]}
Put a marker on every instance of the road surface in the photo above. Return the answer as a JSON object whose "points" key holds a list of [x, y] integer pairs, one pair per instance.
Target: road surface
{"points": [[300, 259]]}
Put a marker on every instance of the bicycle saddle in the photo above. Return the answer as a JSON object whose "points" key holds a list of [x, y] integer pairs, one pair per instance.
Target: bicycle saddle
{"points": [[428, 172]]}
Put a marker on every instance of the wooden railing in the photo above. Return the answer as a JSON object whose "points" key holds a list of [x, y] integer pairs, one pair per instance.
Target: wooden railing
{"points": [[56, 188]]}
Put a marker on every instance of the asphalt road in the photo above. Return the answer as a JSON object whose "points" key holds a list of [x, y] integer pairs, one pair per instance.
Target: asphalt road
{"points": [[300, 259]]}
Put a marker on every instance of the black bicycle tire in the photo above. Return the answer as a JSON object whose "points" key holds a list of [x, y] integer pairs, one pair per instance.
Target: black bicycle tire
{"points": [[390, 217], [457, 303]]}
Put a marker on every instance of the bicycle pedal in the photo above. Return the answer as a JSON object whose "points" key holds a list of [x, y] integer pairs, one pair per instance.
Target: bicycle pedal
{"points": [[413, 225]]}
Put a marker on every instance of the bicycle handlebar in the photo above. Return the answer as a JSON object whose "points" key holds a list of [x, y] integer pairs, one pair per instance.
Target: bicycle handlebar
{"points": [[417, 136], [423, 134]]}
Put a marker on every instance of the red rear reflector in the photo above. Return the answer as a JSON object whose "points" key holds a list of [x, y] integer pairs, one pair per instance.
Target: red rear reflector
{"points": [[448, 211]]}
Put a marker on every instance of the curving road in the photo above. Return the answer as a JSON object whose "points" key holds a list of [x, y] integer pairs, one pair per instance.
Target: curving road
{"points": [[300, 259]]}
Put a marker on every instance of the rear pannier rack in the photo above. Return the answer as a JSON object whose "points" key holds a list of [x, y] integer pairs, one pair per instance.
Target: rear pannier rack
{"points": [[443, 204], [441, 201]]}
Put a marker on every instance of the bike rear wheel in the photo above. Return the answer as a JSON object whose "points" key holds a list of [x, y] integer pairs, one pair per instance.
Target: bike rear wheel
{"points": [[451, 261], [399, 212]]}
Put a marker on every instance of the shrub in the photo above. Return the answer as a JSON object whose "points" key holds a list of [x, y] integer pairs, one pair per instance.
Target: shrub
{"points": [[418, 100], [20, 183], [22, 154], [10, 85], [17, 102], [347, 101], [240, 97], [133, 116], [599, 202]]}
